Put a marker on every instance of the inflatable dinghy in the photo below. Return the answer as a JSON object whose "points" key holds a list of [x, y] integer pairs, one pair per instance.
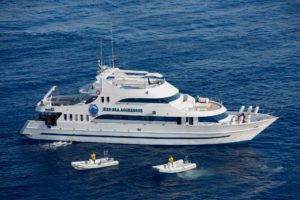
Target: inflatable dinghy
{"points": [[176, 167], [98, 163]]}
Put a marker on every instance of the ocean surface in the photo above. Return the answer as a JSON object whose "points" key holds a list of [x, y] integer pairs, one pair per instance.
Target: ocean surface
{"points": [[241, 52]]}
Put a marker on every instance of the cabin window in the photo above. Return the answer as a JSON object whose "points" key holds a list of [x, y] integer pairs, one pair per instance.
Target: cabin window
{"points": [[107, 99], [76, 117], [137, 118], [87, 118], [71, 117], [81, 118], [102, 99], [178, 119], [191, 120], [65, 117], [215, 118]]}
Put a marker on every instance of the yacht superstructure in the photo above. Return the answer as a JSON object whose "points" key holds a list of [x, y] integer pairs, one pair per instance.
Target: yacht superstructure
{"points": [[139, 107]]}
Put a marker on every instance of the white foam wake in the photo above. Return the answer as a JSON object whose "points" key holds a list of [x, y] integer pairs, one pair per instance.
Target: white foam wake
{"points": [[267, 168], [56, 145], [194, 174]]}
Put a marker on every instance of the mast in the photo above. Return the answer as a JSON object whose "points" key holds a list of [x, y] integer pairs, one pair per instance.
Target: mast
{"points": [[101, 59], [112, 49], [100, 62]]}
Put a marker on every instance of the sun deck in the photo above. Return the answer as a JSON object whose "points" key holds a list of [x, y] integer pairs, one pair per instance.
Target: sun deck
{"points": [[206, 106], [136, 82], [132, 79], [67, 100]]}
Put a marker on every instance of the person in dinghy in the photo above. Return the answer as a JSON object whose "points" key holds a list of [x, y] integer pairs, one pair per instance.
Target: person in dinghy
{"points": [[171, 160], [93, 157]]}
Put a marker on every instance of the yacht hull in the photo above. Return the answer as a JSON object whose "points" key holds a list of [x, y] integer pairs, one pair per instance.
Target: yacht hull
{"points": [[143, 134]]}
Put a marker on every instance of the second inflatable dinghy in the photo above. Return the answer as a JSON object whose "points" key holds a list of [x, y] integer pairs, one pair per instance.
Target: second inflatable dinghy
{"points": [[175, 167]]}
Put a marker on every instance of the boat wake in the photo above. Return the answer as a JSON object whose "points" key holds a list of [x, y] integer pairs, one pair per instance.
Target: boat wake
{"points": [[266, 168], [55, 145], [194, 174]]}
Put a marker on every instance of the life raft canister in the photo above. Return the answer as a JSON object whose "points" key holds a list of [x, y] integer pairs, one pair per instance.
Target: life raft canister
{"points": [[98, 92]]}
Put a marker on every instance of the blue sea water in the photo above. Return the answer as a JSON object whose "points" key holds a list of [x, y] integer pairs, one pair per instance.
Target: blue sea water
{"points": [[241, 52]]}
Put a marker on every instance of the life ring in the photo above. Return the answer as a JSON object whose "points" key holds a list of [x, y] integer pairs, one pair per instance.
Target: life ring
{"points": [[98, 92]]}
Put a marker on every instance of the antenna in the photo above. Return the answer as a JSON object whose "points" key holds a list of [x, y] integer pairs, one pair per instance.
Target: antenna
{"points": [[110, 60], [112, 48], [100, 60], [101, 53]]}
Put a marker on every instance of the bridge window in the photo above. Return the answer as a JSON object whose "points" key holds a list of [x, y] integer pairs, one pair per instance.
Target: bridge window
{"points": [[81, 118], [87, 118], [71, 117], [102, 99], [135, 73], [107, 99], [65, 117], [76, 117], [147, 100], [91, 99]]}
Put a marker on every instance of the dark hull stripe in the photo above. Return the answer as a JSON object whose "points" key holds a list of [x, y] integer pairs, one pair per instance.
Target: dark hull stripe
{"points": [[136, 137]]}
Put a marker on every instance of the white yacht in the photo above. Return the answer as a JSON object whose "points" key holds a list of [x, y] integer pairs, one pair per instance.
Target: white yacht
{"points": [[139, 107]]}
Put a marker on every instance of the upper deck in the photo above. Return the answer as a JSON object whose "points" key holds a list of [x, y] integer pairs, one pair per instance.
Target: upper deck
{"points": [[131, 79], [133, 89]]}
